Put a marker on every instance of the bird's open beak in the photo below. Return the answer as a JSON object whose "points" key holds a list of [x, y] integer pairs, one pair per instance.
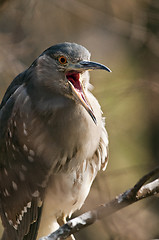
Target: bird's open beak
{"points": [[73, 76]]}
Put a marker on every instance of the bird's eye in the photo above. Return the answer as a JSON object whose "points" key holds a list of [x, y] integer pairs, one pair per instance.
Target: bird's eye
{"points": [[62, 60]]}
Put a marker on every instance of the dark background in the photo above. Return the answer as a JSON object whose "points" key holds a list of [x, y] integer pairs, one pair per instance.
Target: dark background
{"points": [[124, 35]]}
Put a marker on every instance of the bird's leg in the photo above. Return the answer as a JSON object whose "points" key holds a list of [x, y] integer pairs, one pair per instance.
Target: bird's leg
{"points": [[61, 221]]}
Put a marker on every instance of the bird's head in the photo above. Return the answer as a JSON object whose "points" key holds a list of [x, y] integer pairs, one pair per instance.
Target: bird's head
{"points": [[63, 68]]}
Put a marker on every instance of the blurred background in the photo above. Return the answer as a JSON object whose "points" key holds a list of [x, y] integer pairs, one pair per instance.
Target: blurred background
{"points": [[124, 35]]}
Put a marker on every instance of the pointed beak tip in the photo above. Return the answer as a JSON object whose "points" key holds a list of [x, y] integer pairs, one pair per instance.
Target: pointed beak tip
{"points": [[107, 69], [103, 67], [95, 121]]}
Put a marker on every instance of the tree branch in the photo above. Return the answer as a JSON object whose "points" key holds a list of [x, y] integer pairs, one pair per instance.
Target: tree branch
{"points": [[136, 193]]}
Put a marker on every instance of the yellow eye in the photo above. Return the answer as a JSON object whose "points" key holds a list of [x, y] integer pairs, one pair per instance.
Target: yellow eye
{"points": [[62, 60]]}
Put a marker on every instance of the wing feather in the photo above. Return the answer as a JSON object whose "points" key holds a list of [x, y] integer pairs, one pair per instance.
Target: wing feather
{"points": [[21, 178]]}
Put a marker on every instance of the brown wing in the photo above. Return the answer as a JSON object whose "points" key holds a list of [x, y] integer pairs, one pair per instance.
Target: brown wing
{"points": [[22, 172]]}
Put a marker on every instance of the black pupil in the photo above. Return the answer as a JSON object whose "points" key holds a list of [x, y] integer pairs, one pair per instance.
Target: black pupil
{"points": [[62, 60]]}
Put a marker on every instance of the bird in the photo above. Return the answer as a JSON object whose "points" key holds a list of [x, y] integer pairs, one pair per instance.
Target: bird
{"points": [[53, 142]]}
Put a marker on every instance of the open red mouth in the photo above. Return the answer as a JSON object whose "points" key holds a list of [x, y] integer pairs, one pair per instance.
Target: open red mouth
{"points": [[79, 93], [73, 77]]}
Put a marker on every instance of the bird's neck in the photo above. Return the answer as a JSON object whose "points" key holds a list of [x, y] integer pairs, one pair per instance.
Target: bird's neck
{"points": [[54, 103], [46, 100]]}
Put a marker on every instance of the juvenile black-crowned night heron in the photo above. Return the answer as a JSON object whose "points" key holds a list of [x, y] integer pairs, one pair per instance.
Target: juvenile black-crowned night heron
{"points": [[52, 142]]}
